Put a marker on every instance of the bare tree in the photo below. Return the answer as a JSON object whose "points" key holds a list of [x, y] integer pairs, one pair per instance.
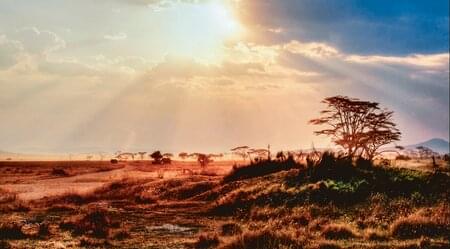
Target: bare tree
{"points": [[359, 127]]}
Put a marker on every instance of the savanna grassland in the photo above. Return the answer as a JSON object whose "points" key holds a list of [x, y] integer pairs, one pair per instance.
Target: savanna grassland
{"points": [[325, 201]]}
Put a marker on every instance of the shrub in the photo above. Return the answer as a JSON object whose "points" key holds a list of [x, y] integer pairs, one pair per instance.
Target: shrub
{"points": [[338, 232], [43, 230], [4, 244], [96, 223], [229, 229], [11, 230], [207, 241], [59, 172], [260, 168]]}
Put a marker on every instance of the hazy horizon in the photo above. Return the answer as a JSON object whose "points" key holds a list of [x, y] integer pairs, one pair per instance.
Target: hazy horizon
{"points": [[210, 75]]}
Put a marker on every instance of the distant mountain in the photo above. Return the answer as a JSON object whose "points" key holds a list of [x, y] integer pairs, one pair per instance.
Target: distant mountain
{"points": [[436, 144]]}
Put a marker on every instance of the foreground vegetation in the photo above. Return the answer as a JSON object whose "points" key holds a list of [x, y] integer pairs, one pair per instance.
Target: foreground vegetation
{"points": [[330, 202]]}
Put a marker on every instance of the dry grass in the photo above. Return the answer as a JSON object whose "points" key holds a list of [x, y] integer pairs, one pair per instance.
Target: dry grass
{"points": [[124, 189], [9, 202], [425, 222], [188, 190], [339, 232], [259, 169], [285, 209], [375, 235], [88, 242], [7, 196], [95, 223], [263, 239]]}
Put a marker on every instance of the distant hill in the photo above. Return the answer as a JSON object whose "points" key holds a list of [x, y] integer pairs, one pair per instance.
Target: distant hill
{"points": [[436, 144]]}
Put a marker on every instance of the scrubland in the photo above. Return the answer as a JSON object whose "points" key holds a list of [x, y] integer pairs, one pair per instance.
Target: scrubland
{"points": [[328, 202]]}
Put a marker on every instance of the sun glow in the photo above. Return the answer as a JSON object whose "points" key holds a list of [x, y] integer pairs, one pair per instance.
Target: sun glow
{"points": [[200, 30]]}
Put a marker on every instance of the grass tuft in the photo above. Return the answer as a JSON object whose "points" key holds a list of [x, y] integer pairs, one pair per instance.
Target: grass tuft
{"points": [[338, 232]]}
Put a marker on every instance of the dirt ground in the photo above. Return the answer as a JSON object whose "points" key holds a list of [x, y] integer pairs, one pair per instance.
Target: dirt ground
{"points": [[35, 180], [167, 224]]}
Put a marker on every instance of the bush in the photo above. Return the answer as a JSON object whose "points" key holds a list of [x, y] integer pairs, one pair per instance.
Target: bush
{"points": [[43, 230], [229, 229], [260, 168], [95, 223], [207, 241], [4, 244], [11, 230], [59, 172]]}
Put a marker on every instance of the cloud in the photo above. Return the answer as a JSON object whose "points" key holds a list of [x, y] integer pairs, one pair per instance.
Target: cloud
{"points": [[9, 51], [116, 37], [361, 27], [39, 42], [313, 49], [431, 61]]}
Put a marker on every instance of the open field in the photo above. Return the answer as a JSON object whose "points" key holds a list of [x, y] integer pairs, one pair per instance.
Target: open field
{"points": [[329, 203]]}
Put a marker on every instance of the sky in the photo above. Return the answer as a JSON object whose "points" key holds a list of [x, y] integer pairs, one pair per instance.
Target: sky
{"points": [[199, 75]]}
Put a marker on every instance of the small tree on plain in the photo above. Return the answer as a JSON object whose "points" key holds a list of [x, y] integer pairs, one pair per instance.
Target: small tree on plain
{"points": [[242, 151], [183, 155], [203, 159], [157, 157], [142, 154]]}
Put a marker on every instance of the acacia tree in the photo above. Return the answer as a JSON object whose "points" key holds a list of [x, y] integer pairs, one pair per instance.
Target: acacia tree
{"points": [[359, 127], [183, 155], [203, 159], [242, 151], [142, 154]]}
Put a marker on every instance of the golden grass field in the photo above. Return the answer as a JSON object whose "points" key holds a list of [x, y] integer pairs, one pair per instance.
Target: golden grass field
{"points": [[136, 204]]}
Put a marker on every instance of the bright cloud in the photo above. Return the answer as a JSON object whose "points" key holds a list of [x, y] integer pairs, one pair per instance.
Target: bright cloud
{"points": [[159, 82]]}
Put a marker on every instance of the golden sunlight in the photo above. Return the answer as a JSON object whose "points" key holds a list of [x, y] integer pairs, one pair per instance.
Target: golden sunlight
{"points": [[200, 30]]}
